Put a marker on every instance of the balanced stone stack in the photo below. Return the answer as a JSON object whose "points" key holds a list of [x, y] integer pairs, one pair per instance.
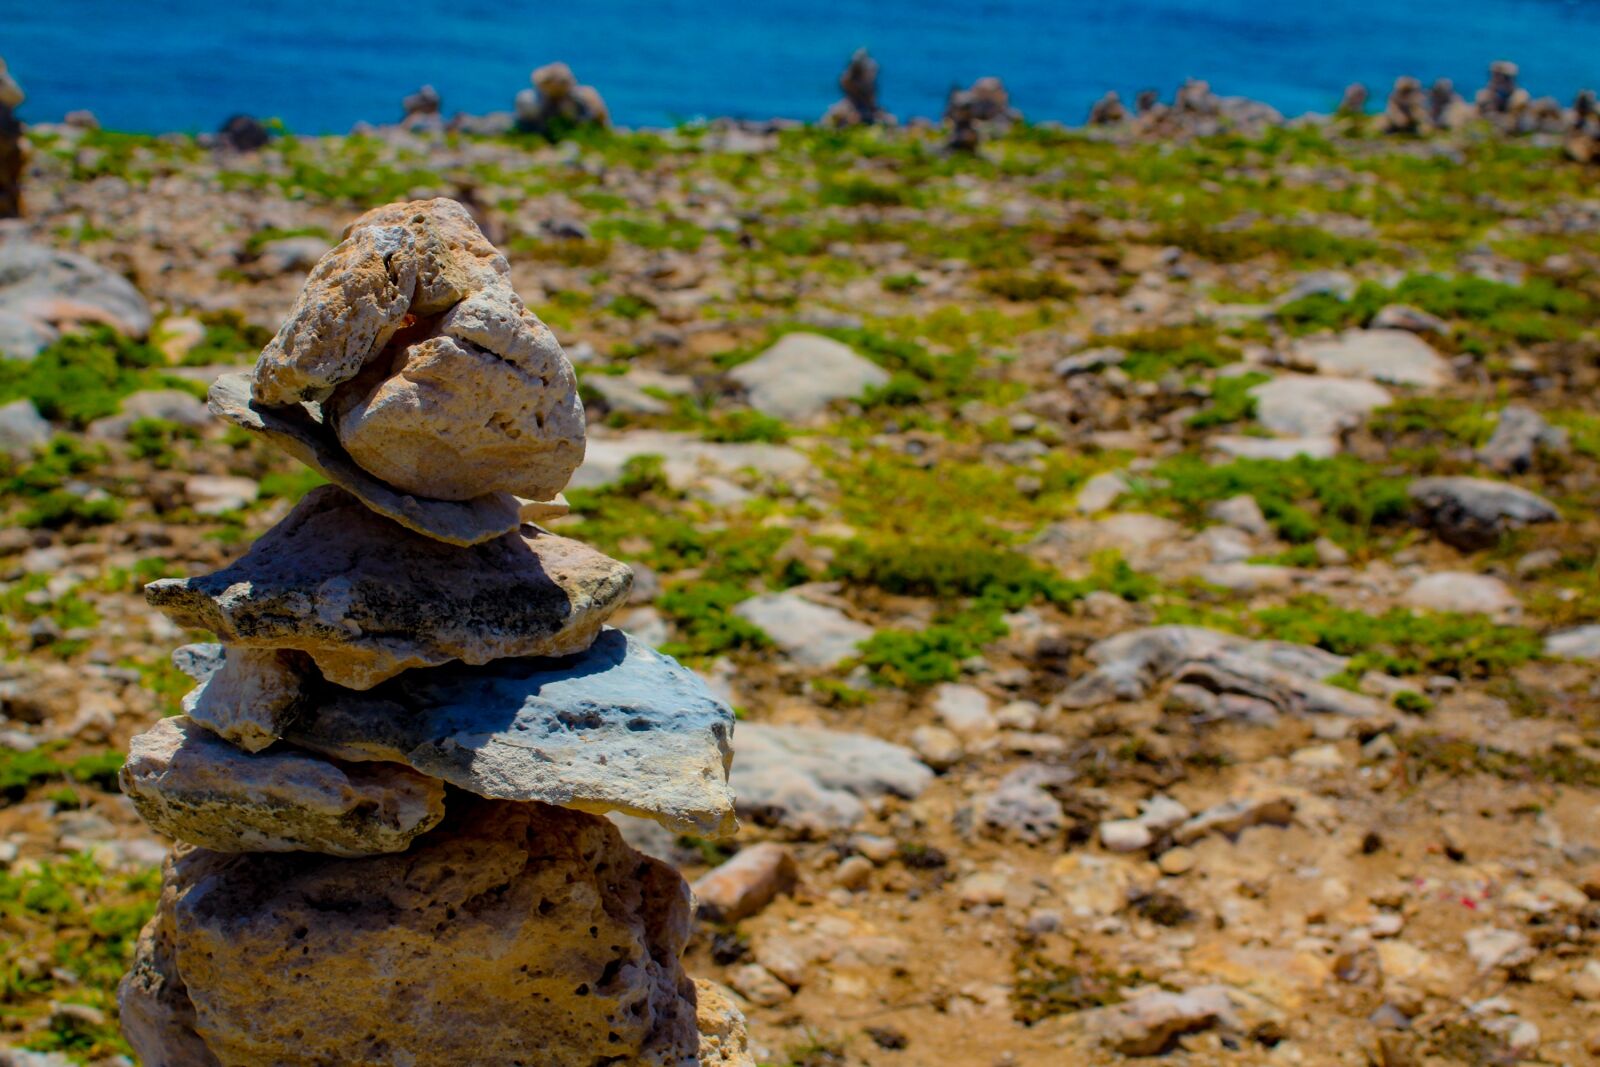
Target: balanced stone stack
{"points": [[389, 783]]}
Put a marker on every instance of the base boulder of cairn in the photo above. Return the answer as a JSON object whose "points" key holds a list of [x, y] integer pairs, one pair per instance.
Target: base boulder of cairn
{"points": [[388, 787]]}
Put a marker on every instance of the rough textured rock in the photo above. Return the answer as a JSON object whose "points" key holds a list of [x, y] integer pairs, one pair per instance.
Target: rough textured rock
{"points": [[618, 728], [299, 431], [516, 933], [724, 1039], [1287, 676], [434, 375], [251, 697], [191, 785], [1396, 356], [367, 599], [48, 290], [1151, 1023], [800, 375], [817, 781], [810, 634], [1472, 513]]}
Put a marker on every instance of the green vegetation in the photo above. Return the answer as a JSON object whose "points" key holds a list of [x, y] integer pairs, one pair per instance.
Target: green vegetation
{"points": [[84, 376], [1341, 498]]}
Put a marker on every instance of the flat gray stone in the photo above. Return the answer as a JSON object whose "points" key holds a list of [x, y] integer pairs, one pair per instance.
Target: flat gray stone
{"points": [[366, 598], [1397, 356], [817, 781], [42, 288], [799, 376], [686, 458], [1580, 642], [619, 727], [298, 429], [22, 428], [1299, 405], [811, 635], [191, 785]]}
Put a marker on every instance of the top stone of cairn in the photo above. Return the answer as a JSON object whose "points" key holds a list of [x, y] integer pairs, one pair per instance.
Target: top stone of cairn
{"points": [[429, 370]]}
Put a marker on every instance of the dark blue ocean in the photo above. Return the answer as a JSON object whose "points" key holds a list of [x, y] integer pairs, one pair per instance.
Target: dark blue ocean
{"points": [[322, 66]]}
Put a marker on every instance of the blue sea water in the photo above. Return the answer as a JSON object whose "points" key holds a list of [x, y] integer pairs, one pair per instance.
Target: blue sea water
{"points": [[187, 64]]}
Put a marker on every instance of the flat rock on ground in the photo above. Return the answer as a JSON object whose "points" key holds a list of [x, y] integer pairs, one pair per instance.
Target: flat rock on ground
{"points": [[1473, 513], [816, 781], [619, 727], [43, 289], [799, 376], [1299, 405], [1397, 356], [810, 634], [514, 933], [298, 430], [190, 784], [686, 458], [367, 598]]}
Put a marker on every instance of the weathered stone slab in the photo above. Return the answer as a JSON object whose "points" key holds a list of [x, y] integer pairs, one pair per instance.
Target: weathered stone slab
{"points": [[620, 727], [515, 933], [367, 599], [298, 429], [191, 785]]}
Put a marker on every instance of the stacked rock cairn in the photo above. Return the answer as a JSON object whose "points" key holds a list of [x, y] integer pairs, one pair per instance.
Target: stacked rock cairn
{"points": [[11, 151], [389, 786]]}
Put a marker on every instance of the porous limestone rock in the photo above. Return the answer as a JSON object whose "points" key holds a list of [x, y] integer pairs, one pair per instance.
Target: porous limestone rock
{"points": [[724, 1038], [367, 599], [618, 728], [298, 429], [251, 697], [433, 374], [190, 784], [515, 933]]}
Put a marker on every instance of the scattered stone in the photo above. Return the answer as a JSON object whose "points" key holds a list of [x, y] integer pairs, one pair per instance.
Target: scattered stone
{"points": [[218, 494], [758, 985], [1519, 436], [367, 599], [1580, 642], [1234, 816], [45, 292], [509, 904], [1406, 317], [799, 376], [810, 634], [818, 781], [1304, 406], [1151, 1023], [746, 884], [1021, 807], [1490, 947], [685, 458], [619, 727], [1090, 360], [1101, 491], [190, 784], [1473, 513], [1463, 591], [22, 428], [242, 133], [1396, 356], [1177, 861], [964, 709], [1125, 835]]}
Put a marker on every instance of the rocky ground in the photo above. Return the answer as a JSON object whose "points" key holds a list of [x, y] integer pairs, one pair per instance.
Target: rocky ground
{"points": [[1157, 580]]}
